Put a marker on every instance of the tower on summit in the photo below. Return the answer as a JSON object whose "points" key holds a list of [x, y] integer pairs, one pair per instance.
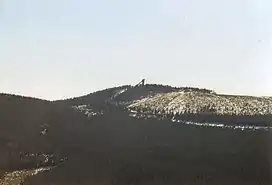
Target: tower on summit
{"points": [[142, 83]]}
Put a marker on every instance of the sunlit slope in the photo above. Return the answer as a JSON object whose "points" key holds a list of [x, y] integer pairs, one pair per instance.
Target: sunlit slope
{"points": [[195, 102]]}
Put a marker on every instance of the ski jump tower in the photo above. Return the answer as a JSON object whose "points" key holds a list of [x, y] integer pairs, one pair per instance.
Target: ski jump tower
{"points": [[142, 83]]}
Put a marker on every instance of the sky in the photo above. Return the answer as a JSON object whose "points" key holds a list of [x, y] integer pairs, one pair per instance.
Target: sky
{"points": [[56, 49]]}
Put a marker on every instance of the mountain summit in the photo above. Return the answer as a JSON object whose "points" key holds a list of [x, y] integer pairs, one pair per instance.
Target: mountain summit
{"points": [[182, 102]]}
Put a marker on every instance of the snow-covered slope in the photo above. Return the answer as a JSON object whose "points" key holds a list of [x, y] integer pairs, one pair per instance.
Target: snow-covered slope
{"points": [[194, 102], [184, 104], [87, 110]]}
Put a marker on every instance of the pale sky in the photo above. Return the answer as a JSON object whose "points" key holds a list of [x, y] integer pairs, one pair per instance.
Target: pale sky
{"points": [[56, 49]]}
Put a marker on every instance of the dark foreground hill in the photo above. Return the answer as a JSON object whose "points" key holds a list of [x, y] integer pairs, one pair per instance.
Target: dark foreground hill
{"points": [[30, 130], [118, 149], [106, 145]]}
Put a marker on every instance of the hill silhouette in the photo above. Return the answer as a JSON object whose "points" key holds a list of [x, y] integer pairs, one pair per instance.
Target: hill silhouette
{"points": [[113, 147], [117, 149], [29, 129], [184, 103], [132, 93]]}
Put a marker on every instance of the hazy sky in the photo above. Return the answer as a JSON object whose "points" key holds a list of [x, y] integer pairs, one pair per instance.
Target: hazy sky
{"points": [[62, 48]]}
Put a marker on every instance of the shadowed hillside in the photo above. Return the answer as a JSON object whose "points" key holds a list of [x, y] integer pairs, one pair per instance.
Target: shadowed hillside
{"points": [[31, 130], [184, 103], [131, 93], [109, 146], [97, 98], [118, 149]]}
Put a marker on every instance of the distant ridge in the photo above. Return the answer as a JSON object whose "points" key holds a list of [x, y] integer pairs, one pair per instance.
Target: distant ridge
{"points": [[21, 96]]}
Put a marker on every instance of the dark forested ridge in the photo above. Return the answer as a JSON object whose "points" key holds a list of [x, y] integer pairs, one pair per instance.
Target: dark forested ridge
{"points": [[98, 97], [132, 93], [186, 103], [118, 149], [108, 146], [7, 96], [29, 127]]}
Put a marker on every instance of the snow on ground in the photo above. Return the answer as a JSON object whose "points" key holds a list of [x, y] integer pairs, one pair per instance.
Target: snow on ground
{"points": [[87, 110], [193, 102], [119, 93], [197, 102], [212, 125], [240, 127], [18, 177]]}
